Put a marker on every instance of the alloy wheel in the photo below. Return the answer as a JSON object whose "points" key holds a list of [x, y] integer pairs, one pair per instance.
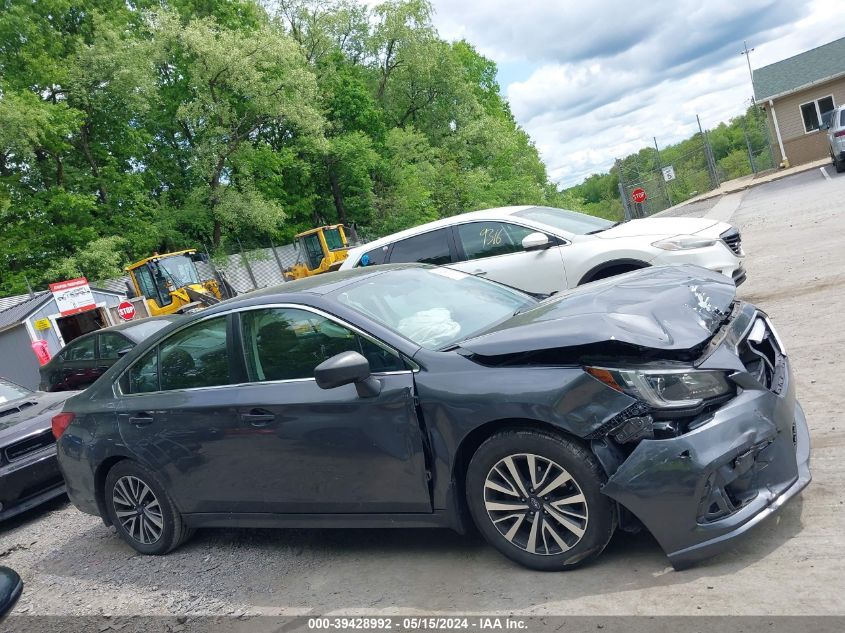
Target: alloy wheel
{"points": [[138, 510], [535, 504]]}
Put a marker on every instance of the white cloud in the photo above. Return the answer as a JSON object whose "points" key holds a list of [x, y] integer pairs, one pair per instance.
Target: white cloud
{"points": [[609, 75]]}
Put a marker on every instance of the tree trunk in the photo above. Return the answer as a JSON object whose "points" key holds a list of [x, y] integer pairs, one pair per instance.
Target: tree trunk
{"points": [[102, 192], [337, 194]]}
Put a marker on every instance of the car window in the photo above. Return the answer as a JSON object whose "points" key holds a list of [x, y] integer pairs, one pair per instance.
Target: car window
{"points": [[111, 344], [143, 375], [287, 344], [433, 307], [427, 248], [195, 357], [373, 257], [488, 239], [82, 349]]}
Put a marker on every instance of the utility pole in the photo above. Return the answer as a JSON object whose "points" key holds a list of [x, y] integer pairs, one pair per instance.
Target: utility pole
{"points": [[747, 52]]}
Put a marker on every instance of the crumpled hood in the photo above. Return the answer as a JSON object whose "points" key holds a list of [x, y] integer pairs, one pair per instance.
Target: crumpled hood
{"points": [[38, 415], [657, 227], [664, 308]]}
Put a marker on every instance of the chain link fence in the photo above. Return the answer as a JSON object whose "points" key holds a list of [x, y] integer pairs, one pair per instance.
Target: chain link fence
{"points": [[700, 164]]}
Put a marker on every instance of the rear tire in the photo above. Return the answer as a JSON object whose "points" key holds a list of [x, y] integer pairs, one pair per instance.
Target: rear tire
{"points": [[840, 166], [551, 521], [141, 510]]}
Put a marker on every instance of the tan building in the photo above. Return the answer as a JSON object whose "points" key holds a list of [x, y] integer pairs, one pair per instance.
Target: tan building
{"points": [[797, 93]]}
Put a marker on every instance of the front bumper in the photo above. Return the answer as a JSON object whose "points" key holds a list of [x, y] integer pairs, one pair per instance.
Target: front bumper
{"points": [[698, 491], [29, 482]]}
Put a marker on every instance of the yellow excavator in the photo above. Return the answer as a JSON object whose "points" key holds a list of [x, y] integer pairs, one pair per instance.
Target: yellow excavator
{"points": [[320, 250], [170, 283]]}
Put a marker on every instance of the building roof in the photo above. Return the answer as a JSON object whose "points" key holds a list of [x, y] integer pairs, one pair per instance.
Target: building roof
{"points": [[801, 71], [16, 313]]}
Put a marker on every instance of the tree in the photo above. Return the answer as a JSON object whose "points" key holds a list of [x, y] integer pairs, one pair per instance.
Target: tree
{"points": [[241, 87]]}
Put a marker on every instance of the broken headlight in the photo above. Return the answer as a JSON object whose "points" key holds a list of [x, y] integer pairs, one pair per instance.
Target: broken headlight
{"points": [[665, 389]]}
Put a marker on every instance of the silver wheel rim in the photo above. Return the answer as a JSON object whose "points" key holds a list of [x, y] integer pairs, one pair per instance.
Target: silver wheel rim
{"points": [[535, 504], [138, 510]]}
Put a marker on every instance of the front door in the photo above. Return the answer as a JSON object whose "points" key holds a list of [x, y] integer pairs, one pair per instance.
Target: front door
{"points": [[493, 250], [311, 450]]}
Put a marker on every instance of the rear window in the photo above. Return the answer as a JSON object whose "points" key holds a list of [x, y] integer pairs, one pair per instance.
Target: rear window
{"points": [[427, 248]]}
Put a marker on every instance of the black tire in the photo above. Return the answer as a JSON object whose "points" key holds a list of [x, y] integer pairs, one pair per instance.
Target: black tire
{"points": [[840, 166], [587, 477], [172, 532]]}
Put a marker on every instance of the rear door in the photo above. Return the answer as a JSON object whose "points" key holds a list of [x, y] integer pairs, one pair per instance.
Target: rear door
{"points": [[493, 249], [78, 368], [311, 450]]}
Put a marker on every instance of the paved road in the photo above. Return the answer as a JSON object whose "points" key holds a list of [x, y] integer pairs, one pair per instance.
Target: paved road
{"points": [[793, 232]]}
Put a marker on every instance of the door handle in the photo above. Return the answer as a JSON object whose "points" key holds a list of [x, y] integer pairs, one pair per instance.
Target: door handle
{"points": [[141, 419], [258, 417]]}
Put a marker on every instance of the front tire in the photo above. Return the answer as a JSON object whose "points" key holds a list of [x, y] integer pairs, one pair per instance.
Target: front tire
{"points": [[536, 497], [840, 165], [141, 510]]}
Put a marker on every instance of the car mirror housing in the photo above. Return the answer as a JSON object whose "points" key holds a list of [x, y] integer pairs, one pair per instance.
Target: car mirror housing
{"points": [[347, 368], [536, 242], [123, 352], [11, 587]]}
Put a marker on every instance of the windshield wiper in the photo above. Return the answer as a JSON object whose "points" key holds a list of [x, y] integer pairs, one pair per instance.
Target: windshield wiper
{"points": [[604, 229]]}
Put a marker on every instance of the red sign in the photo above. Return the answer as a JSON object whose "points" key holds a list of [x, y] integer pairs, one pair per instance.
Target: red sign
{"points": [[638, 195], [73, 296], [42, 351], [126, 311]]}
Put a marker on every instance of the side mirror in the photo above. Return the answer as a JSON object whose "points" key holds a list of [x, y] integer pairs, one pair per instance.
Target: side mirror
{"points": [[347, 368], [123, 352], [536, 242], [11, 587]]}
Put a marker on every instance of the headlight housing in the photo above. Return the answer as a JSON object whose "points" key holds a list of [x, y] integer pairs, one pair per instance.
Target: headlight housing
{"points": [[668, 388], [684, 243]]}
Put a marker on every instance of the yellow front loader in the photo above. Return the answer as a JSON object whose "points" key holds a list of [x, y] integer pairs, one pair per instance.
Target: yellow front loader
{"points": [[170, 283], [320, 250]]}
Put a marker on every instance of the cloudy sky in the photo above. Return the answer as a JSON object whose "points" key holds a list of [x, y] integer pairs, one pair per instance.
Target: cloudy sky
{"points": [[593, 80]]}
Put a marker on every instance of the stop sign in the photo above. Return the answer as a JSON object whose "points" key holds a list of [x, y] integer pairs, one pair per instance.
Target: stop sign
{"points": [[126, 311], [638, 195]]}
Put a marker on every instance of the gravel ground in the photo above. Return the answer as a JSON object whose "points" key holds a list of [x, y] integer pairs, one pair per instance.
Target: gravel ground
{"points": [[792, 232]]}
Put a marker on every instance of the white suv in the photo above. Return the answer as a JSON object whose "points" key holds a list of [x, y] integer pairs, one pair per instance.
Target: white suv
{"points": [[543, 250]]}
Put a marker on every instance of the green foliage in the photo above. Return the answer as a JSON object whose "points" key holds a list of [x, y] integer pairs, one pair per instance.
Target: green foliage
{"points": [[132, 127]]}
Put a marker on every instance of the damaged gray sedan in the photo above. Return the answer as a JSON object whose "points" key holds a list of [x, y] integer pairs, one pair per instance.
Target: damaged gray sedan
{"points": [[412, 396]]}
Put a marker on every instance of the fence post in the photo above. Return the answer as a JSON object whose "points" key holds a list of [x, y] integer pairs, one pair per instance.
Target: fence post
{"points": [[623, 193], [748, 145], [278, 260], [708, 154], [246, 265], [663, 183]]}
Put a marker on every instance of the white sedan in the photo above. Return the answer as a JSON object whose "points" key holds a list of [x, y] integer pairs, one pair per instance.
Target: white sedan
{"points": [[542, 250]]}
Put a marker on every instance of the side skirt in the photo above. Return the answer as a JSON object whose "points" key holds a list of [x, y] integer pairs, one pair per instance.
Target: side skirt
{"points": [[437, 519]]}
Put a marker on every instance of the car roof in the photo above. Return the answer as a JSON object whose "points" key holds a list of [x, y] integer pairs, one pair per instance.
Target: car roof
{"points": [[496, 213]]}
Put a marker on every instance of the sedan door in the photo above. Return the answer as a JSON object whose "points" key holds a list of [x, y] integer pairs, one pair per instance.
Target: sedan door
{"points": [[310, 450], [77, 368], [493, 249]]}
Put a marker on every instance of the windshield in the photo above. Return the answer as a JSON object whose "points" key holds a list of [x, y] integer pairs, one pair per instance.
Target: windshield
{"points": [[179, 270], [10, 391], [569, 221], [433, 307]]}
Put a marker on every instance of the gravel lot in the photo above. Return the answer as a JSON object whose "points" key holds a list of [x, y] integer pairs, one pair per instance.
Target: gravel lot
{"points": [[793, 232]]}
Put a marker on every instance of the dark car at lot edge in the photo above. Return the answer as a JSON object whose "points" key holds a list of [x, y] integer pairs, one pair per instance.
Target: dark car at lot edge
{"points": [[412, 396], [29, 475], [79, 363]]}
